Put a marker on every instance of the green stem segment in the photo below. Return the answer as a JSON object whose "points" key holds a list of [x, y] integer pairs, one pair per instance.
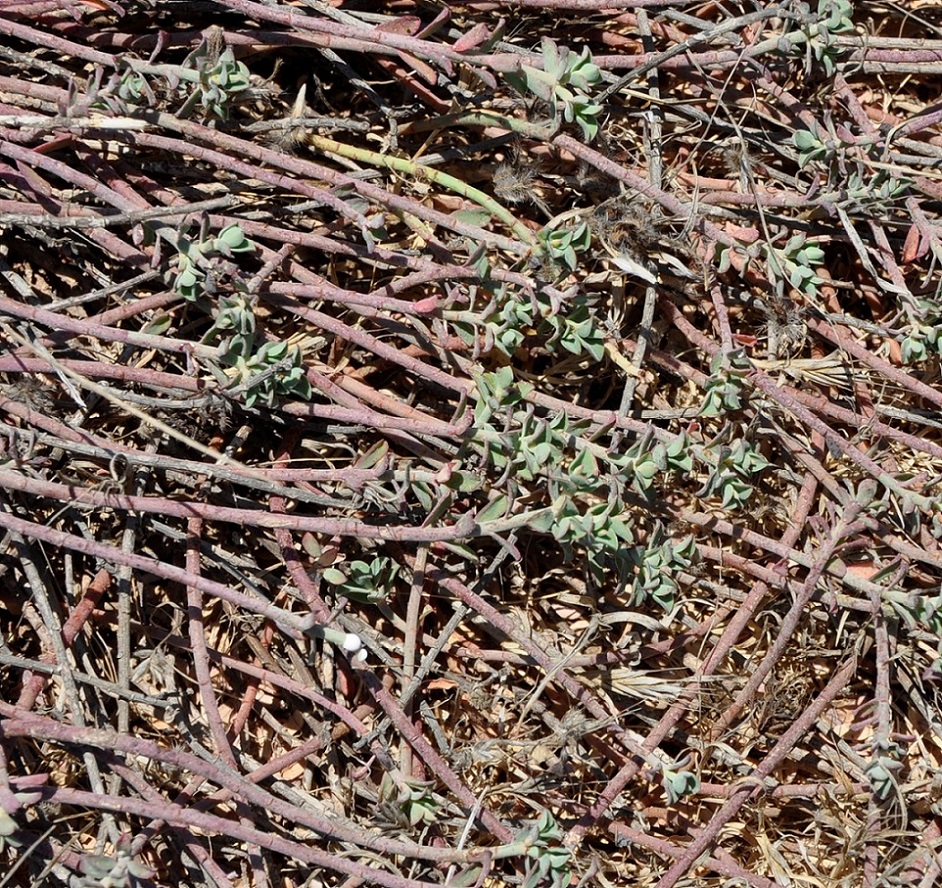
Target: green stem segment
{"points": [[421, 172]]}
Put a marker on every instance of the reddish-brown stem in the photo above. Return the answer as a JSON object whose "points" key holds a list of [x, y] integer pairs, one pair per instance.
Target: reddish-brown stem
{"points": [[723, 865], [244, 517], [710, 665], [789, 624], [907, 381], [224, 826], [549, 663], [80, 615], [797, 730], [23, 724]]}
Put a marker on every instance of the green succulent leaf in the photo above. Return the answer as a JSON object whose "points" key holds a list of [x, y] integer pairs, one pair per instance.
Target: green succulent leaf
{"points": [[565, 84], [678, 784]]}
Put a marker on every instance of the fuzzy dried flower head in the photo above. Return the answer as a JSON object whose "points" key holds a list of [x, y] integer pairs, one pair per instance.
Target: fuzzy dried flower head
{"points": [[513, 182], [733, 156], [37, 393]]}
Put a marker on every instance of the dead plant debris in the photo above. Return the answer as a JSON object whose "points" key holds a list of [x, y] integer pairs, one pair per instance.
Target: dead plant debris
{"points": [[476, 444]]}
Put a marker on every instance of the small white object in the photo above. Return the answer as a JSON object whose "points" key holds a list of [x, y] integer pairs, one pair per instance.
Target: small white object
{"points": [[634, 268], [352, 643]]}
